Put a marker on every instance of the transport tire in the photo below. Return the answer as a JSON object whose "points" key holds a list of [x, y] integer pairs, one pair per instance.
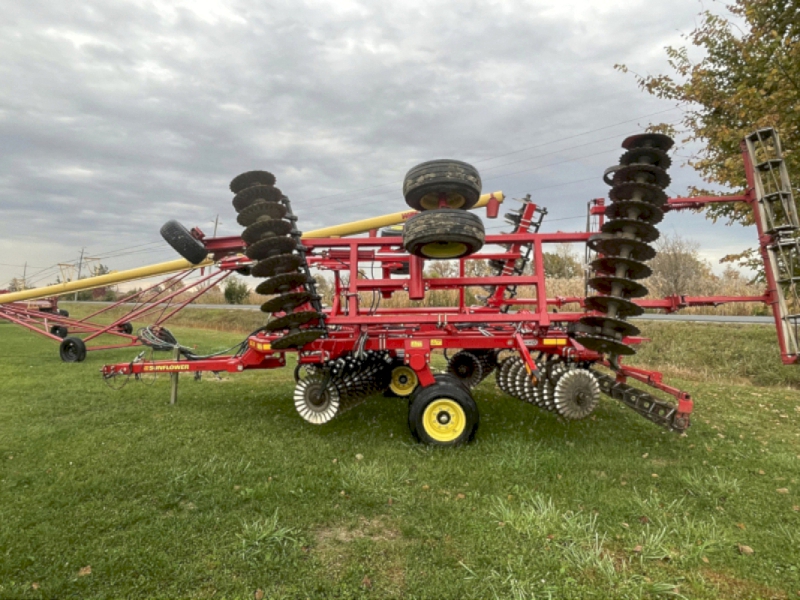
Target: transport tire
{"points": [[72, 350], [443, 234], [443, 414], [126, 327], [59, 330], [189, 247], [63, 313], [457, 181]]}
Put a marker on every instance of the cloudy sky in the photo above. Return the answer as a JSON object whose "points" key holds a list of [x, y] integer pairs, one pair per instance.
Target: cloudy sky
{"points": [[116, 116]]}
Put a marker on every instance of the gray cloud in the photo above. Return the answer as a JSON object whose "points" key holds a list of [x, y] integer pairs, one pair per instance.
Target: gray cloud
{"points": [[115, 117]]}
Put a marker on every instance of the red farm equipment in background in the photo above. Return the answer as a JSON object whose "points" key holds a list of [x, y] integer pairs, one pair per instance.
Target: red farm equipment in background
{"points": [[356, 348]]}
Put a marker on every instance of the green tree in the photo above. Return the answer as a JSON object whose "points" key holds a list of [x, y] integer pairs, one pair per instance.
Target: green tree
{"points": [[236, 291], [562, 263], [748, 78]]}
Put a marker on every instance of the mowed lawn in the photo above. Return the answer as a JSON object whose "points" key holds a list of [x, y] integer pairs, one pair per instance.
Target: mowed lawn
{"points": [[229, 494]]}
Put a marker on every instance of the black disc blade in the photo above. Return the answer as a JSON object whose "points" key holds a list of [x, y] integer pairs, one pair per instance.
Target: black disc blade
{"points": [[634, 209], [622, 307], [266, 228], [626, 288], [648, 140], [643, 192], [610, 265], [286, 302], [641, 230], [292, 320], [269, 247], [283, 263], [619, 246], [261, 209], [282, 283], [605, 345], [250, 178], [252, 194], [297, 339], [650, 156], [641, 173], [610, 327]]}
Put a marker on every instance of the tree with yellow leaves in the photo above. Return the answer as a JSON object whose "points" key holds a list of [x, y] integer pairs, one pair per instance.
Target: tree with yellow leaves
{"points": [[748, 78]]}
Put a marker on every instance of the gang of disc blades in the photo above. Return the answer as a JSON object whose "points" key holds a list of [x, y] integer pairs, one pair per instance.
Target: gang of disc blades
{"points": [[251, 178]]}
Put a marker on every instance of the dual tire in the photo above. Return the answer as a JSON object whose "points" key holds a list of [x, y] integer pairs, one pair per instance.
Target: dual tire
{"points": [[443, 190]]}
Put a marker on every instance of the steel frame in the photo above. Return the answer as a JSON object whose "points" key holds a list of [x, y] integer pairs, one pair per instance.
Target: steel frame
{"points": [[414, 333]]}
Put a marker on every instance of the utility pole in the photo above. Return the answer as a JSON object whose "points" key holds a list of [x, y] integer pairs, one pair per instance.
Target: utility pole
{"points": [[216, 223], [25, 276], [80, 264]]}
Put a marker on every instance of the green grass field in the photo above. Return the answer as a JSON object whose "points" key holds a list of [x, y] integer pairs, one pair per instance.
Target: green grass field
{"points": [[117, 494]]}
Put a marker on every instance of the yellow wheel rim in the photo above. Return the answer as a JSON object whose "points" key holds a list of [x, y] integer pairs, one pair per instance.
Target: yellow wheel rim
{"points": [[431, 201], [444, 420], [404, 381], [444, 249]]}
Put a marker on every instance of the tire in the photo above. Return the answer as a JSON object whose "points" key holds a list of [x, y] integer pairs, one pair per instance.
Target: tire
{"points": [[72, 350], [458, 181], [60, 331], [126, 327], [443, 234], [63, 313], [443, 414], [189, 247]]}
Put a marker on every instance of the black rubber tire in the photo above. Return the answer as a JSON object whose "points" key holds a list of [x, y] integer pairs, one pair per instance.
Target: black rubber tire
{"points": [[250, 178], [72, 350], [459, 180], [253, 194], [177, 236], [448, 388], [63, 313], [126, 327], [443, 234], [60, 331]]}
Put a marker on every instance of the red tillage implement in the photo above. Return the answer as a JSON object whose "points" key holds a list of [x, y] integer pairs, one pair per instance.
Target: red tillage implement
{"points": [[356, 348]]}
